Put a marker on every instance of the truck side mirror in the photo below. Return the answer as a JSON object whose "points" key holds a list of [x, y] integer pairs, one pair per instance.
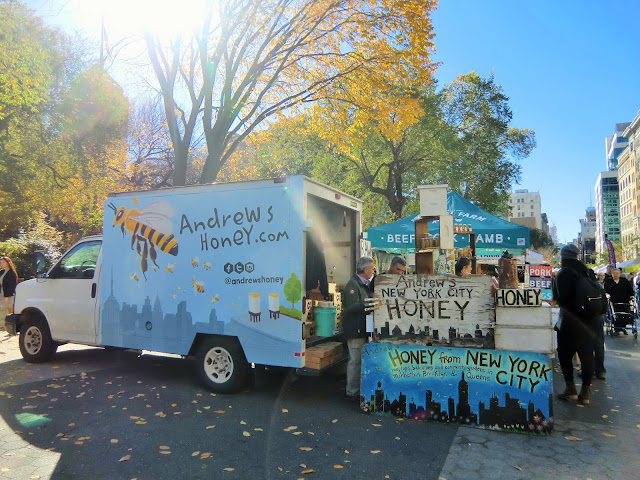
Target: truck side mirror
{"points": [[39, 264]]}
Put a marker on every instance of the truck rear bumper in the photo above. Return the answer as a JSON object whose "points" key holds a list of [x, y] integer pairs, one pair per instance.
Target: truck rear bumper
{"points": [[10, 323]]}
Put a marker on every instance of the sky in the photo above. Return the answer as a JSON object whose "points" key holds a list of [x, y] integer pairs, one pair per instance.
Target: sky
{"points": [[571, 69]]}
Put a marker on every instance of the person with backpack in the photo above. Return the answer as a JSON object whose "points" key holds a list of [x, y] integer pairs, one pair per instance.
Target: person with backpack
{"points": [[577, 321]]}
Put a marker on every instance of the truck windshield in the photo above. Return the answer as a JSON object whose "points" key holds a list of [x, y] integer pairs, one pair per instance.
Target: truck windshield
{"points": [[79, 262]]}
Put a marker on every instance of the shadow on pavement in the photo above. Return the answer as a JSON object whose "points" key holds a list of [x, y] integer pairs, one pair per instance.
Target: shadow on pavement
{"points": [[115, 415]]}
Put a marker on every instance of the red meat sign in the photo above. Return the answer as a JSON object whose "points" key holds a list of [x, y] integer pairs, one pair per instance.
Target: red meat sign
{"points": [[540, 277]]}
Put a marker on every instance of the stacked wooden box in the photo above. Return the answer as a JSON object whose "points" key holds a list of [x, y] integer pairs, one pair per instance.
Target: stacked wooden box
{"points": [[323, 355]]}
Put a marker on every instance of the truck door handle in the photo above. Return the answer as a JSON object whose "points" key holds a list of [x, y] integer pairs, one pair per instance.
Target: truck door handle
{"points": [[94, 287]]}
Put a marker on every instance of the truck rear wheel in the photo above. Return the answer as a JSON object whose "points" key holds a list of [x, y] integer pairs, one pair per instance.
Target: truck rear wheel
{"points": [[36, 344], [221, 364]]}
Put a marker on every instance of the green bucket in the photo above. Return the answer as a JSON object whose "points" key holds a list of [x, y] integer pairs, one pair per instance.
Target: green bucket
{"points": [[325, 321]]}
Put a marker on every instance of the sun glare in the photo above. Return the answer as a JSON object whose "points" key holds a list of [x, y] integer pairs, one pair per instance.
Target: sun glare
{"points": [[165, 18]]}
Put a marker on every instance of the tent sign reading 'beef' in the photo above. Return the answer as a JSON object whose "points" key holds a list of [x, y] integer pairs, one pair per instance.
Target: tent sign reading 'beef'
{"points": [[436, 309]]}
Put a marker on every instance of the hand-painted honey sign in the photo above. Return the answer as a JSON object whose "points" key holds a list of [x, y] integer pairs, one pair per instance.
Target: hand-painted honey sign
{"points": [[519, 297], [498, 390], [437, 309]]}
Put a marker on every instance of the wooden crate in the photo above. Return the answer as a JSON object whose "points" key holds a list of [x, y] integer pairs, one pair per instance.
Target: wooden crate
{"points": [[309, 329], [318, 363], [324, 350]]}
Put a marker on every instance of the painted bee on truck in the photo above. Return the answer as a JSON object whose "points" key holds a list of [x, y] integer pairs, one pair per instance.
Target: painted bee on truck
{"points": [[150, 228]]}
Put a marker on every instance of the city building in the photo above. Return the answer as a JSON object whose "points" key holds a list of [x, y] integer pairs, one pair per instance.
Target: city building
{"points": [[553, 233], [628, 183], [588, 235], [526, 208], [607, 209], [615, 144]]}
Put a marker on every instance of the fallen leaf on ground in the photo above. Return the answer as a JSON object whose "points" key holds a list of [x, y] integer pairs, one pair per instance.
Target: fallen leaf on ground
{"points": [[114, 440], [84, 438], [609, 435], [614, 410], [309, 470], [346, 451], [209, 427], [205, 455], [517, 468], [334, 420], [284, 410], [306, 449], [573, 439], [297, 433], [288, 429], [228, 469], [242, 422], [246, 434], [338, 466], [218, 411], [125, 458], [164, 447], [375, 451], [141, 422], [376, 424], [258, 430], [605, 416], [161, 414], [196, 453]]}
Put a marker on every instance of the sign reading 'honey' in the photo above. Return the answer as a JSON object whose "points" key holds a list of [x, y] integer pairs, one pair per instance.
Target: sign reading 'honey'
{"points": [[519, 297]]}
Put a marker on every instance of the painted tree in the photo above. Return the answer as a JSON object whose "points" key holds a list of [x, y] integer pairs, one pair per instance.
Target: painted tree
{"points": [[292, 290], [253, 60]]}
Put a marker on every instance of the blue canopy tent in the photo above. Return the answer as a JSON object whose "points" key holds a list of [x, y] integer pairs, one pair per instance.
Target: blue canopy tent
{"points": [[493, 234]]}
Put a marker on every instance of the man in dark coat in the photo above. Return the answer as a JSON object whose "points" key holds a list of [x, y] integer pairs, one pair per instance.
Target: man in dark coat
{"points": [[620, 292], [355, 296], [576, 332]]}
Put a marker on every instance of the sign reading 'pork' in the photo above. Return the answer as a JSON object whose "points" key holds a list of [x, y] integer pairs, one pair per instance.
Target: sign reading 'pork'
{"points": [[435, 310]]}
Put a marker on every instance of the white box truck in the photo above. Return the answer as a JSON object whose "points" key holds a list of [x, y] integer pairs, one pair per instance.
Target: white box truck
{"points": [[219, 271]]}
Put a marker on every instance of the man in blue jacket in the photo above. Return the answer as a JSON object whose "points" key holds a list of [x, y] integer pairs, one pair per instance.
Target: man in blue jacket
{"points": [[355, 305]]}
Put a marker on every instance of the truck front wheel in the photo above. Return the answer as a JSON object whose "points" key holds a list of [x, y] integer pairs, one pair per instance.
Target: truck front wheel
{"points": [[221, 364], [36, 344]]}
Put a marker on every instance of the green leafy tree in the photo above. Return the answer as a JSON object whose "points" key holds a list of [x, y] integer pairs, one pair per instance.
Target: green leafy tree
{"points": [[483, 161], [539, 239], [462, 138], [39, 235], [292, 290]]}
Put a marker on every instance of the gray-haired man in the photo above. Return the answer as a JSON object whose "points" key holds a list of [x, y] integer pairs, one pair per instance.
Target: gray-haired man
{"points": [[356, 292]]}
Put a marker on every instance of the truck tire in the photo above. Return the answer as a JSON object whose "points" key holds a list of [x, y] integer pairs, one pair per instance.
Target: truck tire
{"points": [[36, 344], [221, 364]]}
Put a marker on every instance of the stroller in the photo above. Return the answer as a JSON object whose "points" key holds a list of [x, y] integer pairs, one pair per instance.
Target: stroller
{"points": [[620, 315]]}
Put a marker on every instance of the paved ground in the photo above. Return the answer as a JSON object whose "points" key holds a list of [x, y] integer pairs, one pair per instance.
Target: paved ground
{"points": [[114, 415]]}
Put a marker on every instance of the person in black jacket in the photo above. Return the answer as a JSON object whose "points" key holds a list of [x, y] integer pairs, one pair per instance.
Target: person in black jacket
{"points": [[8, 282], [576, 332], [355, 306], [620, 291]]}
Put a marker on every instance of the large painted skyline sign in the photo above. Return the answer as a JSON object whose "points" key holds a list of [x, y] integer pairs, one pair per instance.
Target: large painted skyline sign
{"points": [[498, 390]]}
